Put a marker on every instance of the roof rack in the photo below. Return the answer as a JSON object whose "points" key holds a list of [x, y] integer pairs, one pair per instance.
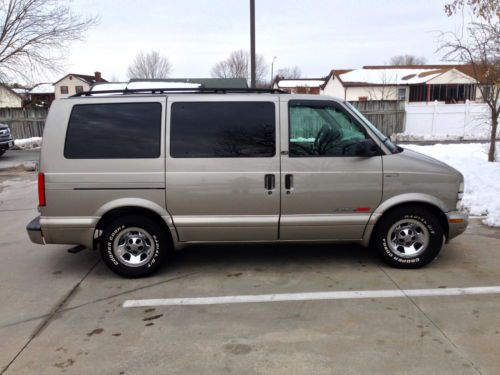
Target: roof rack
{"points": [[186, 90]]}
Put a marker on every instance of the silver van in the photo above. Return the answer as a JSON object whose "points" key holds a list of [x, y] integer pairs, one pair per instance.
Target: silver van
{"points": [[138, 173]]}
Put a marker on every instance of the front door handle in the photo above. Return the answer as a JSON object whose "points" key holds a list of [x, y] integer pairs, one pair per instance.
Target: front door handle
{"points": [[269, 182], [289, 181]]}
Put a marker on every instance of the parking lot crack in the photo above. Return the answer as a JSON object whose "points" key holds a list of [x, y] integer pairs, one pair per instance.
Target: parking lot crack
{"points": [[440, 330], [58, 308]]}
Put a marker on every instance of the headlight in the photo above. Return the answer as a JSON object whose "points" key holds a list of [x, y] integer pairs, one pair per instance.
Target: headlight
{"points": [[7, 131]]}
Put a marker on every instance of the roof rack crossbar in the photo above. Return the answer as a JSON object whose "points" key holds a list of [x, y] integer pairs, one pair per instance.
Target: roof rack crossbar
{"points": [[181, 90]]}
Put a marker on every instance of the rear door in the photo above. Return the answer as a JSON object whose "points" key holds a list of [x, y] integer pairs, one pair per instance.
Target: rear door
{"points": [[327, 192], [222, 166]]}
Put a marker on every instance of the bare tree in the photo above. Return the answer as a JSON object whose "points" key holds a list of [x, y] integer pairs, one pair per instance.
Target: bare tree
{"points": [[289, 72], [35, 34], [237, 65], [479, 47], [386, 89], [407, 60], [485, 9], [149, 65]]}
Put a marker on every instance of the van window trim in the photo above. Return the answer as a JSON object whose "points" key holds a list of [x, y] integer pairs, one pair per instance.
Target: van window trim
{"points": [[322, 103], [162, 115]]}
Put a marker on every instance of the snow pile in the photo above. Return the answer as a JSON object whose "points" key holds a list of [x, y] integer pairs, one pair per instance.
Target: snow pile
{"points": [[411, 137], [28, 143], [482, 179]]}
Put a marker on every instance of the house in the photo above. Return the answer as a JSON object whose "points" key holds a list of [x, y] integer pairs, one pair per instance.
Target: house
{"points": [[72, 84], [9, 98], [299, 85], [42, 94], [408, 83]]}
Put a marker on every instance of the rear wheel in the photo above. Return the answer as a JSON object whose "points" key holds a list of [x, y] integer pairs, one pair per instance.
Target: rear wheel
{"points": [[408, 237], [134, 246]]}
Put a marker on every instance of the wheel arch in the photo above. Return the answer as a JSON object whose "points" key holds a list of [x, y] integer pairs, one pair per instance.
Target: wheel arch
{"points": [[436, 207], [114, 210]]}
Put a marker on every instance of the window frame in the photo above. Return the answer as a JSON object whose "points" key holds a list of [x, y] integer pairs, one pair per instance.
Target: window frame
{"points": [[226, 102], [76, 89], [66, 90], [115, 158], [323, 104]]}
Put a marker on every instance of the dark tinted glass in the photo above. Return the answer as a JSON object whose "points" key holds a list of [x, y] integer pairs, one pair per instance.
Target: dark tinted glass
{"points": [[222, 130], [114, 131]]}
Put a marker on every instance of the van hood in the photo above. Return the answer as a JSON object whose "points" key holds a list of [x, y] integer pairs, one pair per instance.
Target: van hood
{"points": [[425, 161], [4, 126]]}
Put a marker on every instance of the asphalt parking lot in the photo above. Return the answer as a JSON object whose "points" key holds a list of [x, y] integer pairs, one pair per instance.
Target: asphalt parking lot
{"points": [[64, 312]]}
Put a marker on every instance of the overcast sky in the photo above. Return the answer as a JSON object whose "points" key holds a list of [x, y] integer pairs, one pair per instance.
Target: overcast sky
{"points": [[316, 35]]}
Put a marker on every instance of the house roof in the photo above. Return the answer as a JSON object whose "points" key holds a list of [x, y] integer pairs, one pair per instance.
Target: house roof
{"points": [[43, 88], [467, 69], [334, 72], [208, 83], [86, 78]]}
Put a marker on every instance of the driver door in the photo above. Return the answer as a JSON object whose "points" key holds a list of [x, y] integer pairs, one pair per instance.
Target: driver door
{"points": [[328, 193]]}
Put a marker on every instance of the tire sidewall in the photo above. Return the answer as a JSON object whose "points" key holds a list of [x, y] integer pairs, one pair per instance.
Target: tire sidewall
{"points": [[426, 219], [114, 228]]}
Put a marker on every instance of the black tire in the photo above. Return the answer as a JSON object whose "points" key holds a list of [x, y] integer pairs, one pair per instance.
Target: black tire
{"points": [[2, 152], [388, 249], [157, 240]]}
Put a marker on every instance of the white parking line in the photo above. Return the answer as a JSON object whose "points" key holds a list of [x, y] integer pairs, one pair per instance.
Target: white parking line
{"points": [[314, 296]]}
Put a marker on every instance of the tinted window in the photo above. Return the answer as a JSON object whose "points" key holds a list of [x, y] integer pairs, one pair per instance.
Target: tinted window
{"points": [[322, 130], [222, 130], [114, 131]]}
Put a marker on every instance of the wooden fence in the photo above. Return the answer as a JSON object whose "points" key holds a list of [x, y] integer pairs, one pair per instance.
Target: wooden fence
{"points": [[387, 115], [24, 123]]}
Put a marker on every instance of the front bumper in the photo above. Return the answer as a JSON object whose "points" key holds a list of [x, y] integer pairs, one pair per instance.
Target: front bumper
{"points": [[6, 144], [35, 231], [457, 223]]}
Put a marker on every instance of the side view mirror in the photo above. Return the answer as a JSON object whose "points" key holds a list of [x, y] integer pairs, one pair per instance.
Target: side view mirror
{"points": [[365, 147]]}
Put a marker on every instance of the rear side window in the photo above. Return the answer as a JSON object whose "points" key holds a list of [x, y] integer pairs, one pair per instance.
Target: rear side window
{"points": [[222, 130], [114, 131]]}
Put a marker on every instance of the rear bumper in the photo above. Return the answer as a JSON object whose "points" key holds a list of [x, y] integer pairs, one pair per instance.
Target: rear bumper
{"points": [[35, 231], [457, 223]]}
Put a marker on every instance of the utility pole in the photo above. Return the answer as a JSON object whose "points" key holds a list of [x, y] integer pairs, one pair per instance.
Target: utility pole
{"points": [[272, 71], [252, 44]]}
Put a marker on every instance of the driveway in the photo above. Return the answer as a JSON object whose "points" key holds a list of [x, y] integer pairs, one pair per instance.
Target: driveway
{"points": [[18, 158], [64, 312]]}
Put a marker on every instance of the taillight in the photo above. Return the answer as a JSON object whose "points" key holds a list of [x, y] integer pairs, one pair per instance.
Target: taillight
{"points": [[41, 190]]}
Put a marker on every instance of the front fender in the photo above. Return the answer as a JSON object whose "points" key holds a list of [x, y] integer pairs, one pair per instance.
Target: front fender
{"points": [[395, 201]]}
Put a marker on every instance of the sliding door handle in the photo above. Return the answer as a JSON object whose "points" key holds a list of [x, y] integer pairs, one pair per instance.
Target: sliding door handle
{"points": [[269, 182], [289, 181]]}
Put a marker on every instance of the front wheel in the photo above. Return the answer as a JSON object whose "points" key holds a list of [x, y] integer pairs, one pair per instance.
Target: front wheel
{"points": [[2, 151], [408, 237], [134, 246]]}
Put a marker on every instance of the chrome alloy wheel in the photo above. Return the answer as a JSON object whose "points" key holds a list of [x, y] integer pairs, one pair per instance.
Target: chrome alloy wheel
{"points": [[408, 238], [133, 247]]}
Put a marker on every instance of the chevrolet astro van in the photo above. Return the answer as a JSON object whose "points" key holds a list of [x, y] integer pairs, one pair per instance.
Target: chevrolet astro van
{"points": [[138, 173]]}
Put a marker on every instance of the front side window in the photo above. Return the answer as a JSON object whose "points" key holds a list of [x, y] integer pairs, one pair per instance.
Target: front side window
{"points": [[64, 89], [222, 130], [321, 130], [114, 131]]}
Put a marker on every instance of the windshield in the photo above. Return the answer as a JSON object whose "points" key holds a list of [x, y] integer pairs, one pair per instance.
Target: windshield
{"points": [[385, 140]]}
